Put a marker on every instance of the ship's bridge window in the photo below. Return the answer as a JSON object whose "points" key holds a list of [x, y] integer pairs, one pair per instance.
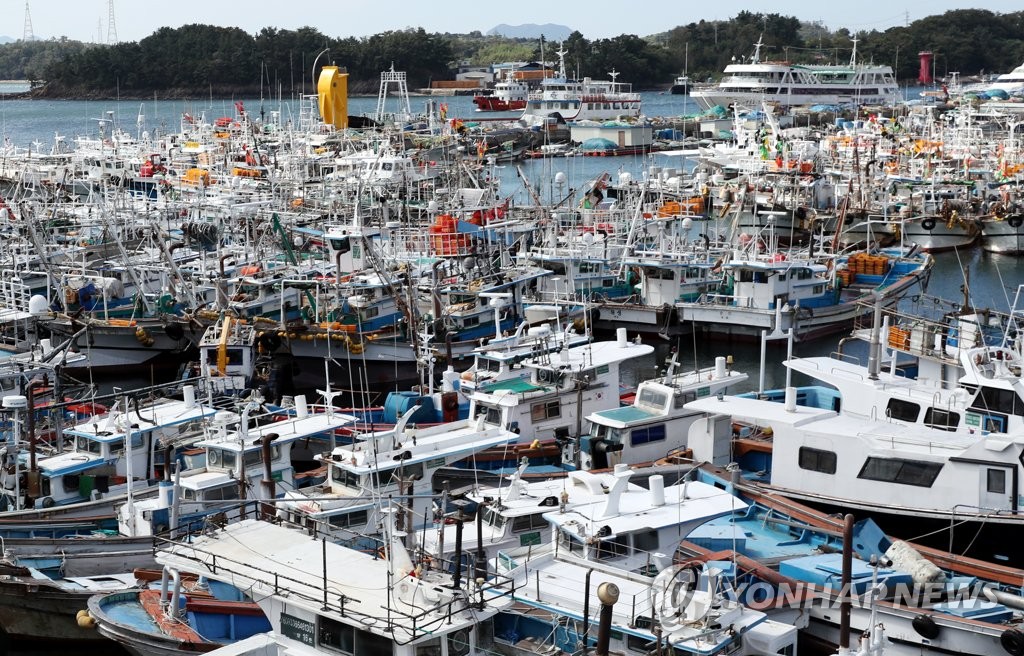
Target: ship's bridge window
{"points": [[547, 410], [652, 398], [529, 523], [999, 400], [897, 470], [345, 477], [491, 415]]}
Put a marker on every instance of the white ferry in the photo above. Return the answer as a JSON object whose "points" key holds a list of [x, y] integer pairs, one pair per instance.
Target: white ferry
{"points": [[789, 85], [577, 100]]}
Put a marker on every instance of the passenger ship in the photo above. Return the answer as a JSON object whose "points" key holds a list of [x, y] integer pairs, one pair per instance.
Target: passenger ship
{"points": [[789, 85], [577, 100]]}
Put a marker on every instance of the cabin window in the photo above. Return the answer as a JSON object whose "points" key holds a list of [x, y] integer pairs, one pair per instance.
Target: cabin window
{"points": [[254, 458], [902, 410], [996, 483], [617, 546], [340, 244], [336, 636], [646, 435], [999, 400], [817, 460], [345, 477], [529, 523], [346, 520], [369, 313], [222, 493], [943, 419], [682, 398], [589, 267], [431, 648], [652, 398], [469, 322], [903, 472], [493, 518], [491, 415], [819, 289], [547, 410], [412, 470], [645, 541]]}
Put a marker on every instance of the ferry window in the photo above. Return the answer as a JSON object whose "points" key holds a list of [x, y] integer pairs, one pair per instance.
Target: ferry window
{"points": [[529, 522], [943, 419], [902, 410], [996, 483], [654, 433], [336, 636], [999, 400], [345, 520], [817, 460], [548, 410], [903, 472]]}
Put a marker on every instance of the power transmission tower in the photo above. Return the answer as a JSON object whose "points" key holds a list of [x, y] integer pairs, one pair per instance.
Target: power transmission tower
{"points": [[99, 30], [28, 35], [111, 25]]}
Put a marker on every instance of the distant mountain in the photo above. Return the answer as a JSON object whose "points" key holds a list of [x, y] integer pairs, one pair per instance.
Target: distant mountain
{"points": [[7, 39], [532, 31]]}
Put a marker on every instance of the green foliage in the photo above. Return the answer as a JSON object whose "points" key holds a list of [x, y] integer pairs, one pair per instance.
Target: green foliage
{"points": [[201, 59]]}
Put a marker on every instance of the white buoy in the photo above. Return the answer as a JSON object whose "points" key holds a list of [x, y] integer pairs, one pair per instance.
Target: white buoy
{"points": [[620, 334], [189, 393], [720, 371]]}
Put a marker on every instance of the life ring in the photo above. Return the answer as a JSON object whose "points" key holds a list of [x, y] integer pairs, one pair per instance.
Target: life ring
{"points": [[1012, 641], [1015, 221], [458, 643], [928, 224], [925, 626]]}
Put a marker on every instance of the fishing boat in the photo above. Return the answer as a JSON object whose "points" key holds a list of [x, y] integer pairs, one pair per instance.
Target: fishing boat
{"points": [[508, 95], [323, 597], [787, 84], [870, 438]]}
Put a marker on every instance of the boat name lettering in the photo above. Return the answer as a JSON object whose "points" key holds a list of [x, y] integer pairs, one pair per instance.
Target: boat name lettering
{"points": [[703, 391], [298, 629], [435, 463], [972, 419]]}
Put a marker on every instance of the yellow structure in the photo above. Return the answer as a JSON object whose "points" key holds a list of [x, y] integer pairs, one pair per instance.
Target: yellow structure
{"points": [[332, 90]]}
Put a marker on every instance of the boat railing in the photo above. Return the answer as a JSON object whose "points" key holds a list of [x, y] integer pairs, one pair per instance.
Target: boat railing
{"points": [[326, 592]]}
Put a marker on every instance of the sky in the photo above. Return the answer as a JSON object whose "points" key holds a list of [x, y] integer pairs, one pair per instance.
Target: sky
{"points": [[83, 20]]}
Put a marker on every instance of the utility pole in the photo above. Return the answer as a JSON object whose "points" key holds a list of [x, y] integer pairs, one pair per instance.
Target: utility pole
{"points": [[28, 35]]}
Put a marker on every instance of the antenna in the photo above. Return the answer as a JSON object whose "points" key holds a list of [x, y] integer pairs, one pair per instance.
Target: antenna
{"points": [[28, 35], [111, 24], [99, 30]]}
